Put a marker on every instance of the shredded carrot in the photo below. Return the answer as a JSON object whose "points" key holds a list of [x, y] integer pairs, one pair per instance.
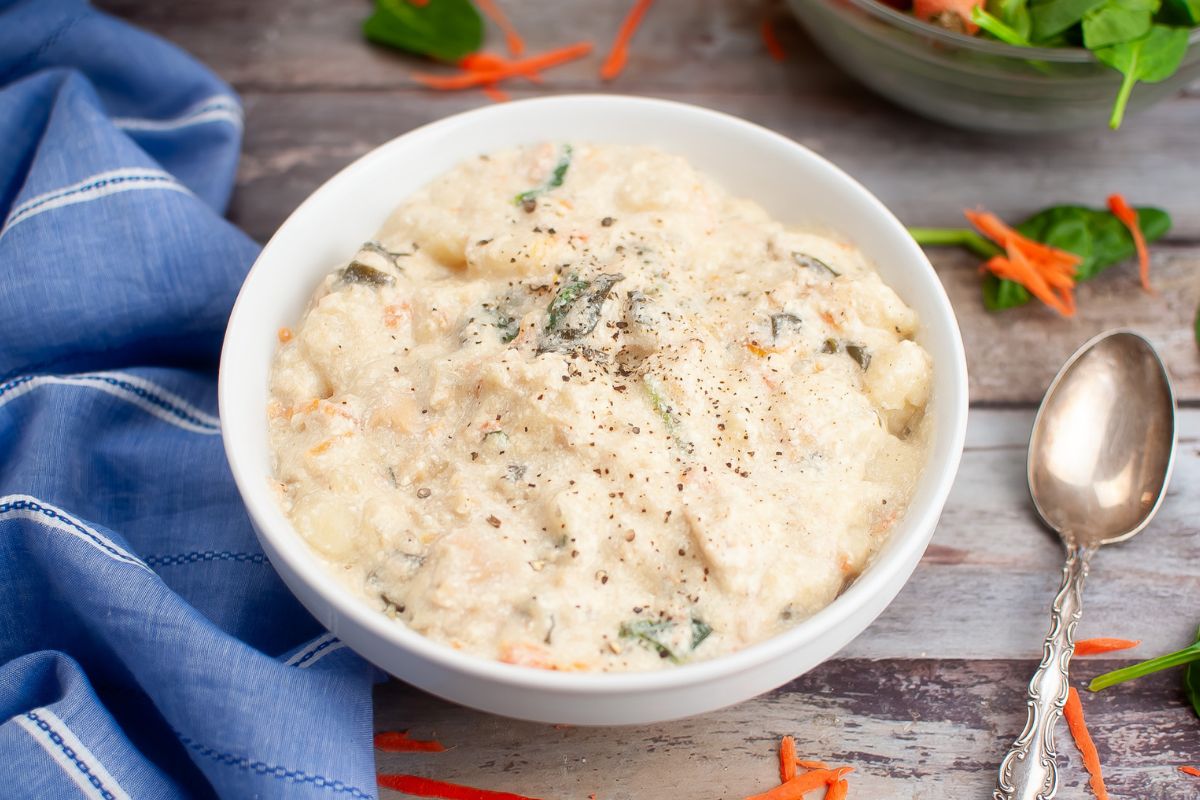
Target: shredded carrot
{"points": [[400, 742], [811, 764], [787, 759], [418, 3], [490, 62], [795, 788], [426, 787], [285, 335], [615, 61], [1195, 773], [838, 791], [1047, 272], [771, 41], [469, 79], [512, 39], [1083, 740], [1091, 647], [496, 94], [1129, 218]]}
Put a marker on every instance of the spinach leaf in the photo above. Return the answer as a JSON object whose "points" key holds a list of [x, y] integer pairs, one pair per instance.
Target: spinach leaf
{"points": [[1150, 59], [1191, 680], [1014, 14], [1117, 21], [575, 310], [1188, 655], [999, 28], [553, 182], [814, 263], [362, 274], [1180, 12], [446, 30], [657, 634], [1096, 235], [1050, 18], [955, 237]]}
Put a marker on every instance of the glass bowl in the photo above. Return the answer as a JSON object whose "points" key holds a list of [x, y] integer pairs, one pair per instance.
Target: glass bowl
{"points": [[971, 82]]}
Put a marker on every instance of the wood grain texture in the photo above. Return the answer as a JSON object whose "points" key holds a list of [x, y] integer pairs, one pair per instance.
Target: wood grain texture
{"points": [[926, 730]]}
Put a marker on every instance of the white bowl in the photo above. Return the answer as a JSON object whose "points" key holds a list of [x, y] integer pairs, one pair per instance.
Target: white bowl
{"points": [[795, 185]]}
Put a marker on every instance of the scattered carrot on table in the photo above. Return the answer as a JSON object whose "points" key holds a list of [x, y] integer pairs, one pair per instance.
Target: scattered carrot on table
{"points": [[794, 786], [1194, 772], [1129, 218], [427, 787], [619, 52], [1092, 647], [512, 39], [787, 759], [401, 742], [771, 41], [491, 69], [1073, 712]]}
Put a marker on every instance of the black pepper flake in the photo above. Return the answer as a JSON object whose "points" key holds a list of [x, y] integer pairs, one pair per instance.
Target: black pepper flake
{"points": [[529, 205], [606, 222], [493, 521], [423, 492]]}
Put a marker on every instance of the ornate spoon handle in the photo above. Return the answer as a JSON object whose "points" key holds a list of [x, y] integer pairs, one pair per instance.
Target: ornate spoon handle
{"points": [[1028, 772]]}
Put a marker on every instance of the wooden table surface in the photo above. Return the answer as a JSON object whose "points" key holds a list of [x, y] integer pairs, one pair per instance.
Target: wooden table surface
{"points": [[926, 700]]}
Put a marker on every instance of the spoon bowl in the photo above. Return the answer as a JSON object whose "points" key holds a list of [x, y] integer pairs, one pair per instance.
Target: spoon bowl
{"points": [[1103, 442], [1100, 458]]}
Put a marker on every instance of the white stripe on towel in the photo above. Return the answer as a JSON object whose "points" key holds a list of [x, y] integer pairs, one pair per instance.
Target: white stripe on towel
{"points": [[72, 755], [23, 506], [146, 395], [99, 185], [306, 652], [218, 108]]}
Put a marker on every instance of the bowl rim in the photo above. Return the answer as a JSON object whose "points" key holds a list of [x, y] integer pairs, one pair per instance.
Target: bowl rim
{"points": [[1067, 55], [284, 542]]}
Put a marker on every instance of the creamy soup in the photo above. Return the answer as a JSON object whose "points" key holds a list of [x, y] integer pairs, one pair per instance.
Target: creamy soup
{"points": [[576, 407]]}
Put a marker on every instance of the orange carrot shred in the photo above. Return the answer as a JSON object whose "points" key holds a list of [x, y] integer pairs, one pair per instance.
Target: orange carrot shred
{"points": [[811, 764], [495, 93], [1073, 712], [490, 62], [512, 39], [401, 742], [615, 61], [418, 3], [795, 788], [471, 78], [771, 41], [1091, 647], [1129, 218], [1195, 773], [838, 791], [1047, 272], [787, 759]]}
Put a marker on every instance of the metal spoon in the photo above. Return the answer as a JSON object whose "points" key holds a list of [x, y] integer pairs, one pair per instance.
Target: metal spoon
{"points": [[1099, 460]]}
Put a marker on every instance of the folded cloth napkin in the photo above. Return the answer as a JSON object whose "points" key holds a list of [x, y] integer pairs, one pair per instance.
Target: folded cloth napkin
{"points": [[147, 647]]}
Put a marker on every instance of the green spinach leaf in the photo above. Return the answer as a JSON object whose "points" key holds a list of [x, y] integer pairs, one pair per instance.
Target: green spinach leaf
{"points": [[1150, 59], [1014, 14], [659, 635], [1049, 18], [1188, 655], [1180, 12], [999, 28], [1191, 680], [1117, 21], [446, 30]]}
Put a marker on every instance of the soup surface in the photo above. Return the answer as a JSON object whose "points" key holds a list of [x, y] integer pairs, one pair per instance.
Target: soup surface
{"points": [[579, 408]]}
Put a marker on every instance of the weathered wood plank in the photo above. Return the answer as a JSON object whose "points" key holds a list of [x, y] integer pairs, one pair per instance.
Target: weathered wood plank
{"points": [[984, 587], [681, 44], [924, 173], [912, 729]]}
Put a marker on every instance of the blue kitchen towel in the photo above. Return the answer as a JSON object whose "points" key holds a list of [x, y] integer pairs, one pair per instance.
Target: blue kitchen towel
{"points": [[147, 648]]}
